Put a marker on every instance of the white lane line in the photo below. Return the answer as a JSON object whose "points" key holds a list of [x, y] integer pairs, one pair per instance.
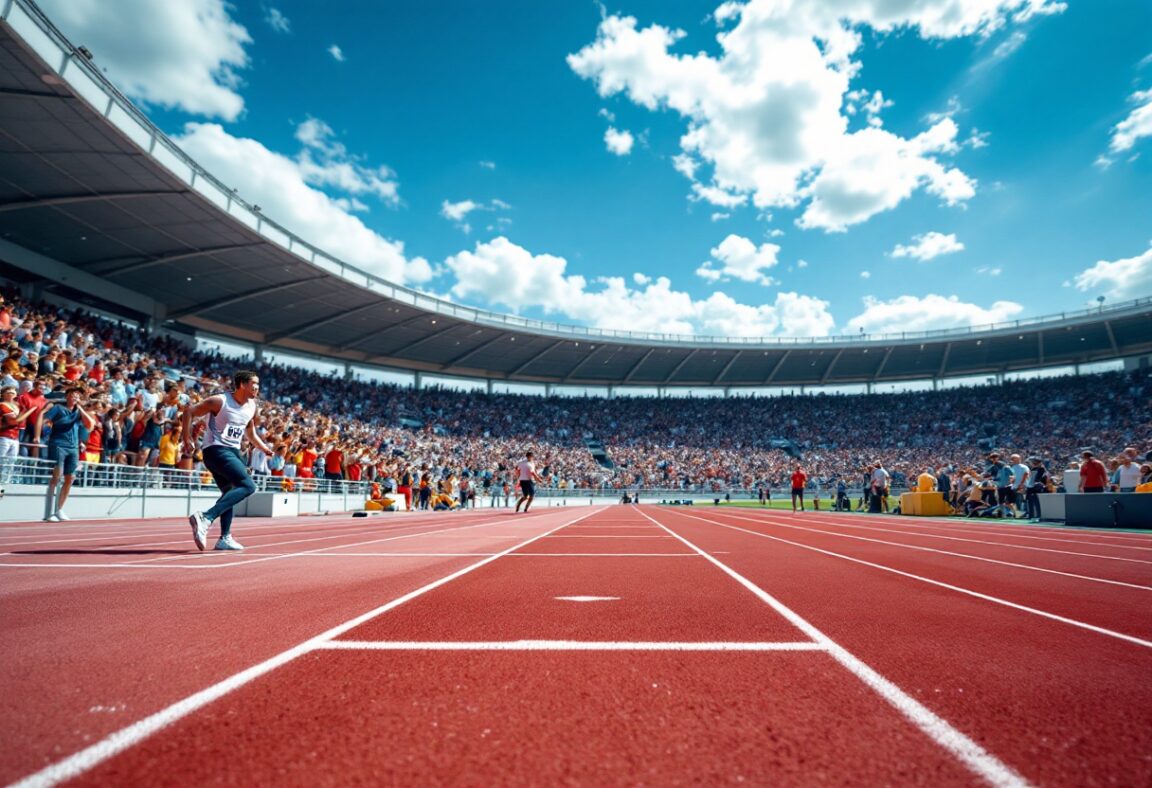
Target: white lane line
{"points": [[940, 584], [117, 742], [560, 645], [196, 560], [923, 549], [971, 754], [606, 536], [948, 537], [587, 598]]}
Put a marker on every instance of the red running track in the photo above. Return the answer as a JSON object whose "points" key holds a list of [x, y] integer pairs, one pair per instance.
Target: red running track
{"points": [[577, 645]]}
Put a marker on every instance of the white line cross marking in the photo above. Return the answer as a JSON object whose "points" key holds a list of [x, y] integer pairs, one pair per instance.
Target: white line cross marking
{"points": [[560, 645], [587, 598], [938, 729]]}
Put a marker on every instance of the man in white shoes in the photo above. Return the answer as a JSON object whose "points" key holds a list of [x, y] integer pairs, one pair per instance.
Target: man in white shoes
{"points": [[63, 447], [527, 477], [231, 418]]}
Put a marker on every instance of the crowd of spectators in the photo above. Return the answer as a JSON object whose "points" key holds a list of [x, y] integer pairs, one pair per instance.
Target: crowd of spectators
{"points": [[329, 427]]}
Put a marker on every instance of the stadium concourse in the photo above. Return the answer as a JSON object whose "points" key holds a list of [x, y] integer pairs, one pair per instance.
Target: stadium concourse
{"points": [[325, 427]]}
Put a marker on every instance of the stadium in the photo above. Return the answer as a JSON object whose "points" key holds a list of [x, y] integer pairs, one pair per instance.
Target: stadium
{"points": [[670, 604]]}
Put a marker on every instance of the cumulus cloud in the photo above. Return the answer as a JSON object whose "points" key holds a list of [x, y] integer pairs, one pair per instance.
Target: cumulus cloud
{"points": [[912, 313], [458, 212], [619, 142], [277, 21], [766, 117], [1136, 126], [1120, 279], [927, 246], [541, 281], [739, 258], [288, 191], [337, 53], [186, 55], [326, 162]]}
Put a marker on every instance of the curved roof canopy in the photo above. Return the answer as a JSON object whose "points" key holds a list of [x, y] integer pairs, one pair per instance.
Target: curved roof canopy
{"points": [[98, 205]]}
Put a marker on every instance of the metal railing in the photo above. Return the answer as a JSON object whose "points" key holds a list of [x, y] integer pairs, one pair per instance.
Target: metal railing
{"points": [[115, 476]]}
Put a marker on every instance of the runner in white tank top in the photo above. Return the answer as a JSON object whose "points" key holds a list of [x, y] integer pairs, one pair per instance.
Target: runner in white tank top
{"points": [[527, 477], [231, 418]]}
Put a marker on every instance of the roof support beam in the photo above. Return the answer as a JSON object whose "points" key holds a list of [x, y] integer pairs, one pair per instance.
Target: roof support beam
{"points": [[378, 331], [529, 362], [724, 370], [883, 363], [175, 257], [776, 367], [35, 94], [75, 199], [636, 366], [306, 327], [208, 306], [679, 366], [1111, 337], [430, 337], [583, 361], [944, 361], [469, 353], [827, 372]]}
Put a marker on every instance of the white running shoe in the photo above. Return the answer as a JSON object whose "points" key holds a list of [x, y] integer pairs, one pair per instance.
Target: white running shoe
{"points": [[63, 518], [52, 518], [228, 543], [199, 528]]}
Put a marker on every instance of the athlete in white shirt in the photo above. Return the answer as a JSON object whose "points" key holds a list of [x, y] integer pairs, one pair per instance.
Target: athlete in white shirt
{"points": [[231, 418], [527, 477]]}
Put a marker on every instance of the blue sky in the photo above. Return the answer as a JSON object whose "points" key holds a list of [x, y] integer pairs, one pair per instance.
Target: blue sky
{"points": [[775, 167]]}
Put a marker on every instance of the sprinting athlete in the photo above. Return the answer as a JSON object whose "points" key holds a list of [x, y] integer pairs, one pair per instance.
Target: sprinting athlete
{"points": [[231, 417], [527, 477]]}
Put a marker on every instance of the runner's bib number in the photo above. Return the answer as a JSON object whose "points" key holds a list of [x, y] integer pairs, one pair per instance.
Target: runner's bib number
{"points": [[233, 432]]}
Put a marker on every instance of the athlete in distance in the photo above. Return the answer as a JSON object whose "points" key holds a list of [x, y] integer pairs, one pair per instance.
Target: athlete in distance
{"points": [[231, 417], [527, 477]]}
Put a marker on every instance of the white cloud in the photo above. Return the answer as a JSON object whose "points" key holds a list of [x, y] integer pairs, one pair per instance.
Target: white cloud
{"points": [[325, 162], [865, 274], [186, 55], [910, 313], [277, 21], [801, 263], [505, 274], [337, 53], [927, 246], [1137, 125], [488, 165], [1121, 279], [719, 217], [458, 211], [287, 191], [740, 259], [619, 142], [765, 116], [989, 270], [1010, 45]]}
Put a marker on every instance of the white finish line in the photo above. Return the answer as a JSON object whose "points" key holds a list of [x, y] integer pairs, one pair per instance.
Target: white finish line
{"points": [[556, 645], [587, 598]]}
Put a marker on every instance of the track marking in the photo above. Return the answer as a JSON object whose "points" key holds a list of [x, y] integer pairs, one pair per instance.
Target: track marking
{"points": [[560, 645], [902, 532], [117, 742], [949, 586], [971, 754], [587, 598], [921, 548]]}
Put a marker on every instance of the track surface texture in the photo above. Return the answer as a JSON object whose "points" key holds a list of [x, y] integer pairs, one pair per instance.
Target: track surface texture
{"points": [[618, 645]]}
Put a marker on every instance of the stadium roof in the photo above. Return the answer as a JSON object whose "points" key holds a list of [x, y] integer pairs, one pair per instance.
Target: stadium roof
{"points": [[97, 205]]}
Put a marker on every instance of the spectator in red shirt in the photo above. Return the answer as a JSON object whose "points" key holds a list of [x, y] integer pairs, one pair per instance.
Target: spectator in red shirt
{"points": [[334, 464], [799, 479], [32, 401], [1093, 474]]}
